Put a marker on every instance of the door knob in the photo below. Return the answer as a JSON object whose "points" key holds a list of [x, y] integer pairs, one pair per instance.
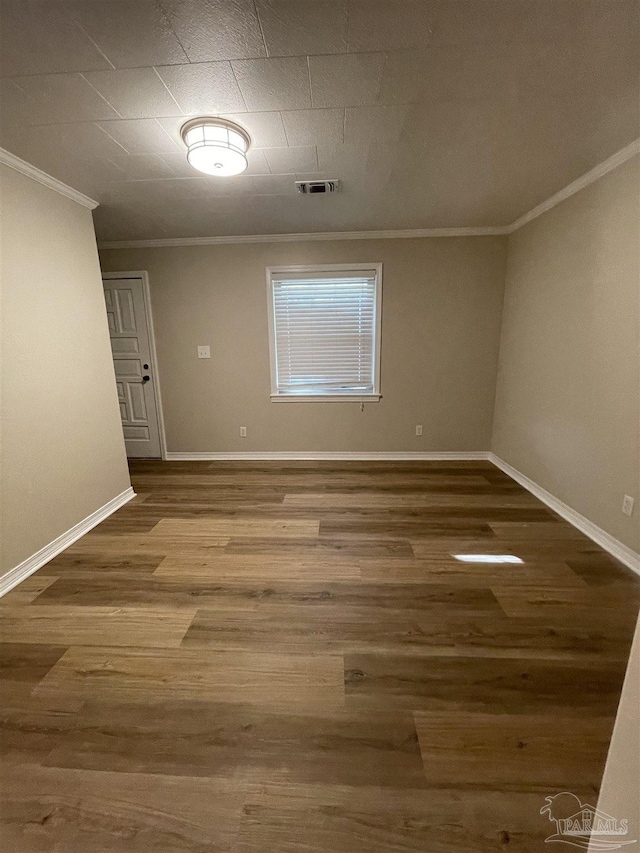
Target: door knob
{"points": [[146, 378]]}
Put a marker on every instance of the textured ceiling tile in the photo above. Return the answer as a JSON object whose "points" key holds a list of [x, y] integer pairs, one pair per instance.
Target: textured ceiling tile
{"points": [[257, 162], [131, 33], [274, 84], [350, 157], [346, 81], [482, 21], [173, 124], [227, 202], [381, 25], [381, 159], [14, 109], [129, 195], [143, 166], [39, 38], [90, 175], [363, 125], [216, 29], [510, 101], [265, 129], [140, 136], [82, 139], [241, 185], [134, 92], [210, 218], [576, 20], [80, 175], [57, 163], [23, 143], [599, 126], [560, 20], [288, 160], [176, 189], [205, 87], [87, 174], [469, 144], [403, 77], [118, 224], [471, 72], [356, 183], [584, 69], [294, 28], [58, 98], [275, 185], [314, 127], [599, 20], [303, 176], [104, 171], [179, 165]]}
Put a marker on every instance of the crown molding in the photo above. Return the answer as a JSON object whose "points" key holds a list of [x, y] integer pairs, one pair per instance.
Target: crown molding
{"points": [[309, 237], [13, 162], [580, 183]]}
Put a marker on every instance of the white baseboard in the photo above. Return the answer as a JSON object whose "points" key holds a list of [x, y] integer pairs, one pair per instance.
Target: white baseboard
{"points": [[613, 546], [16, 575], [332, 456]]}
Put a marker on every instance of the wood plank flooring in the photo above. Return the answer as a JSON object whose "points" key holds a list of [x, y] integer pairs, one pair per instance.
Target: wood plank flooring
{"points": [[287, 658]]}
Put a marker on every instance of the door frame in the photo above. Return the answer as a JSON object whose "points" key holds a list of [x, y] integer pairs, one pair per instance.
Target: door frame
{"points": [[143, 275]]}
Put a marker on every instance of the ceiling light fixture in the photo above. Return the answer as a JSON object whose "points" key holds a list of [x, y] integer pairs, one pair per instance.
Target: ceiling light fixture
{"points": [[216, 146]]}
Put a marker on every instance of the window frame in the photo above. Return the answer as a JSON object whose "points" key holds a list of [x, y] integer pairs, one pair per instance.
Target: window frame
{"points": [[375, 395]]}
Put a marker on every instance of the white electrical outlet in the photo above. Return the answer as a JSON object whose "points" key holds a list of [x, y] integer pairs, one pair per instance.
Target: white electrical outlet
{"points": [[418, 429], [627, 505], [204, 352], [243, 432]]}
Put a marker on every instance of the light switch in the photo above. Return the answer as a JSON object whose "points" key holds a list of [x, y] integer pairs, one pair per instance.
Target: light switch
{"points": [[204, 352]]}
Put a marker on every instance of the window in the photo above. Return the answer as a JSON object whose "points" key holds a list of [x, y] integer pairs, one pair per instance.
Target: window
{"points": [[324, 331]]}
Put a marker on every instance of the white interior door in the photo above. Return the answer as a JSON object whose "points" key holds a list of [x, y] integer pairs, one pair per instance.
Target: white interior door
{"points": [[135, 369]]}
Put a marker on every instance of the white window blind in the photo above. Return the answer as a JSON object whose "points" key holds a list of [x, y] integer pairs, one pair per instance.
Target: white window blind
{"points": [[324, 330]]}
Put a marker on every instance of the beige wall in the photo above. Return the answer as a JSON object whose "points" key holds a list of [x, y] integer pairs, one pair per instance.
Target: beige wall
{"points": [[567, 405], [620, 788], [442, 301], [62, 447]]}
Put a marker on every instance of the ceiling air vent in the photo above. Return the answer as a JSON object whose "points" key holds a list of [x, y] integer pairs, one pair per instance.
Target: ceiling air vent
{"points": [[311, 187]]}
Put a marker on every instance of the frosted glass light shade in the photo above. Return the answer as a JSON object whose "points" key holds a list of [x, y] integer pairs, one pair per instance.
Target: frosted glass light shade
{"points": [[216, 146]]}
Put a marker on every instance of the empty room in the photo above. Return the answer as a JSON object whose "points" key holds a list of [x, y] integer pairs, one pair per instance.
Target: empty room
{"points": [[320, 434]]}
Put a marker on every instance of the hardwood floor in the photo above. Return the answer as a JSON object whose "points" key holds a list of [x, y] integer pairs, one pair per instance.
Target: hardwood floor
{"points": [[271, 658]]}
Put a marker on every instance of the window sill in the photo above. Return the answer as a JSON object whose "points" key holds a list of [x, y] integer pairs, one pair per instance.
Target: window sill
{"points": [[325, 398]]}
